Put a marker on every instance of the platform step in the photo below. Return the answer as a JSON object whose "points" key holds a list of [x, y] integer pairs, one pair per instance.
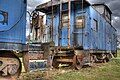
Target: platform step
{"points": [[64, 60]]}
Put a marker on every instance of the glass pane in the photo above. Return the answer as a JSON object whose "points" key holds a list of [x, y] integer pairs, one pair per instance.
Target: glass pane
{"points": [[65, 20], [80, 22], [95, 25], [64, 17]]}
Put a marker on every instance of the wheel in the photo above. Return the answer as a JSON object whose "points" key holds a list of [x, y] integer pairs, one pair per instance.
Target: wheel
{"points": [[78, 62], [55, 64], [92, 59], [108, 57], [10, 66]]}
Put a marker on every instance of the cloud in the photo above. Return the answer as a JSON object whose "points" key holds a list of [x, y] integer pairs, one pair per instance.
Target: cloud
{"points": [[33, 3]]}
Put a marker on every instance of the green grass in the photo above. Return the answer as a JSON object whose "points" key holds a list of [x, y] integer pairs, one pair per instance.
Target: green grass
{"points": [[118, 53], [105, 71], [108, 71]]}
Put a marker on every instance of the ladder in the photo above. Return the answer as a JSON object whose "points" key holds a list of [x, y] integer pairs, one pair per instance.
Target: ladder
{"points": [[61, 22], [51, 27]]}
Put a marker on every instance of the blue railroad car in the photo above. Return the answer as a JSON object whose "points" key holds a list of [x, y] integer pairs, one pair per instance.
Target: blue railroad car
{"points": [[77, 28], [12, 24], [12, 36]]}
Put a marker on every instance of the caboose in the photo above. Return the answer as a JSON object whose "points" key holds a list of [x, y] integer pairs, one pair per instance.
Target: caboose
{"points": [[80, 33]]}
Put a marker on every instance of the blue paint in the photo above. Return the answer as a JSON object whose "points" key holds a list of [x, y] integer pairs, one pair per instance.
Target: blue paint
{"points": [[103, 39], [14, 31]]}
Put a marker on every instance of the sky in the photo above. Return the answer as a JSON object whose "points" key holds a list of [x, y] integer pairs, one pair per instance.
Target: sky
{"points": [[114, 6], [33, 3]]}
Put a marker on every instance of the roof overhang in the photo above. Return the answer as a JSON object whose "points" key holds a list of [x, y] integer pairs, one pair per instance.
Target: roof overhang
{"points": [[103, 5], [47, 6]]}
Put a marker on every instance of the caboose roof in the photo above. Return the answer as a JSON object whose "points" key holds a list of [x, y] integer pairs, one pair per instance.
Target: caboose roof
{"points": [[46, 6], [99, 4]]}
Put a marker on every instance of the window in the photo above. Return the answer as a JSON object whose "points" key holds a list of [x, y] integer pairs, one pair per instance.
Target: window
{"points": [[95, 25], [107, 16], [65, 20], [80, 22]]}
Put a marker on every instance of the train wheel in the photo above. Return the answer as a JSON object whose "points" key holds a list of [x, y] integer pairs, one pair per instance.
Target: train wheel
{"points": [[55, 64], [78, 62], [107, 58], [10, 66], [92, 59]]}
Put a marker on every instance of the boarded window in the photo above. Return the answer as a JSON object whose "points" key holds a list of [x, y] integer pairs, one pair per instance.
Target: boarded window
{"points": [[80, 22], [65, 20], [95, 25]]}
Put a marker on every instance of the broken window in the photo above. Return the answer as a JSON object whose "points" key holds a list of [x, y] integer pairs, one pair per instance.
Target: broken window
{"points": [[65, 20], [80, 22]]}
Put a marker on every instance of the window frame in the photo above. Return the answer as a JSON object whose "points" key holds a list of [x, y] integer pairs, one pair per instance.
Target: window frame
{"points": [[80, 25], [95, 25], [107, 15], [65, 21]]}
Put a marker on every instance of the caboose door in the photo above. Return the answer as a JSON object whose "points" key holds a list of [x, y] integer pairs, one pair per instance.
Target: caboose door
{"points": [[64, 30], [79, 30]]}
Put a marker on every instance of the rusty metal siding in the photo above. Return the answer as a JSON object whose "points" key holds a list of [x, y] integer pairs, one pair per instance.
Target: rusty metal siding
{"points": [[56, 22], [35, 56]]}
